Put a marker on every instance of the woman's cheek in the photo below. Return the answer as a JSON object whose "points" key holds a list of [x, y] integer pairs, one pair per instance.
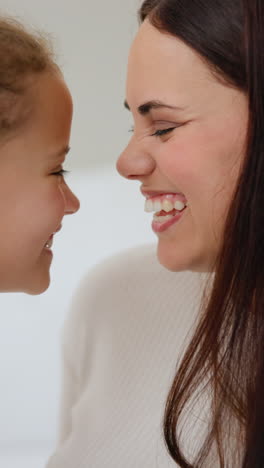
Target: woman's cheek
{"points": [[178, 164]]}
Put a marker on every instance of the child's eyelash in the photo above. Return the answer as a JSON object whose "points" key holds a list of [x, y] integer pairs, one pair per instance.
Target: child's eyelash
{"points": [[61, 172]]}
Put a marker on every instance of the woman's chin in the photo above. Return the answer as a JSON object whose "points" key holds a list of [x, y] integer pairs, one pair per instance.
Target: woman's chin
{"points": [[176, 260], [172, 260]]}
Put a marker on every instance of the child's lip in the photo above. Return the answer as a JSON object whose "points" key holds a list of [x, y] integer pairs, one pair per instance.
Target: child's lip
{"points": [[52, 235], [57, 230]]}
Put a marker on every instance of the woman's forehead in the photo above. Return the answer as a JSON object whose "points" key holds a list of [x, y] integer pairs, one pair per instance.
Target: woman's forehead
{"points": [[156, 57], [161, 66]]}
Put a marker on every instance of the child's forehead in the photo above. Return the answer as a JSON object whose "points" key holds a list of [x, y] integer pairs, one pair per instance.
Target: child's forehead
{"points": [[15, 113]]}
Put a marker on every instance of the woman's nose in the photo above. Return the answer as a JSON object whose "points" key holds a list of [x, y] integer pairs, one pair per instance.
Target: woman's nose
{"points": [[135, 162], [72, 203]]}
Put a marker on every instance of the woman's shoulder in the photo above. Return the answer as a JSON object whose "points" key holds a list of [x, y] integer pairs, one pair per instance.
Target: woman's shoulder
{"points": [[131, 270], [128, 294], [130, 278]]}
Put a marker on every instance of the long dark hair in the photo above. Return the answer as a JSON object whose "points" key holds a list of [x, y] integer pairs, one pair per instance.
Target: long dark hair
{"points": [[225, 358]]}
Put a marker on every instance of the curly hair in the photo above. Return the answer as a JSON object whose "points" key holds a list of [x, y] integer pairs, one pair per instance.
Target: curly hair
{"points": [[23, 54]]}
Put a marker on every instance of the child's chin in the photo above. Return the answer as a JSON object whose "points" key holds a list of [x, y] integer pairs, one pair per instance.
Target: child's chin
{"points": [[36, 289]]}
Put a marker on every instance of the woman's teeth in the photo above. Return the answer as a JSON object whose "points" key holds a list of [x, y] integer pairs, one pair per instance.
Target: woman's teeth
{"points": [[163, 205], [162, 219]]}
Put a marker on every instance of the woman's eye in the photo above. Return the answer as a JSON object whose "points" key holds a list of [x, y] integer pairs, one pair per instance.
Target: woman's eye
{"points": [[61, 172], [158, 133], [164, 131]]}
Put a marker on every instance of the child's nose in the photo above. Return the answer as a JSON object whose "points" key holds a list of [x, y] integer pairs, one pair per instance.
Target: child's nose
{"points": [[72, 203]]}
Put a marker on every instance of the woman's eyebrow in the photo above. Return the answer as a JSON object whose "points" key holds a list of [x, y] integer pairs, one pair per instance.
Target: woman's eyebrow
{"points": [[145, 108]]}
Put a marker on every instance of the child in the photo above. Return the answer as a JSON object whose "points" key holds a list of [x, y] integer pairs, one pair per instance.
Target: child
{"points": [[35, 124]]}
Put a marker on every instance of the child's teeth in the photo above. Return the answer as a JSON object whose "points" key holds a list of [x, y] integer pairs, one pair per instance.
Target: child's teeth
{"points": [[49, 243]]}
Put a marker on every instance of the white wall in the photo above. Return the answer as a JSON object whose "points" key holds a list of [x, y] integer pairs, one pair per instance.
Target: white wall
{"points": [[31, 325], [92, 39]]}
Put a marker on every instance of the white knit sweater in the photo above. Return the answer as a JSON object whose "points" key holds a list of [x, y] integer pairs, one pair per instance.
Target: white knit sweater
{"points": [[122, 339]]}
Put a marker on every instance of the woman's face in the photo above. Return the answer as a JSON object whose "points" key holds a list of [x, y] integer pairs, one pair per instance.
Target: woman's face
{"points": [[33, 194], [188, 173]]}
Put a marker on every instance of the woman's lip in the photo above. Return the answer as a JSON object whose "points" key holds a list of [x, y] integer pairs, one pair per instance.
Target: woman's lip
{"points": [[152, 194], [161, 227]]}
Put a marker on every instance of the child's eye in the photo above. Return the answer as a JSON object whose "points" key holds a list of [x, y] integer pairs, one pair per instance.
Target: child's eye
{"points": [[163, 131], [61, 172]]}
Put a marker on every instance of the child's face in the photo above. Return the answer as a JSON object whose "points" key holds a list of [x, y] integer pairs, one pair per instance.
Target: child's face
{"points": [[33, 198], [188, 145]]}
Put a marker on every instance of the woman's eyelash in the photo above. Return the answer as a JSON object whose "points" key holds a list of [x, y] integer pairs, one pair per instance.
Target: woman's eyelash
{"points": [[61, 172], [158, 132], [163, 131]]}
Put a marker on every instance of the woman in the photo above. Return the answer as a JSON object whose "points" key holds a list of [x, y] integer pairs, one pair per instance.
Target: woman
{"points": [[195, 89], [35, 123]]}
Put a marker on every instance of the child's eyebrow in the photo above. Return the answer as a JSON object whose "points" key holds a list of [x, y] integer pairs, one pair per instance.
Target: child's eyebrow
{"points": [[62, 152]]}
